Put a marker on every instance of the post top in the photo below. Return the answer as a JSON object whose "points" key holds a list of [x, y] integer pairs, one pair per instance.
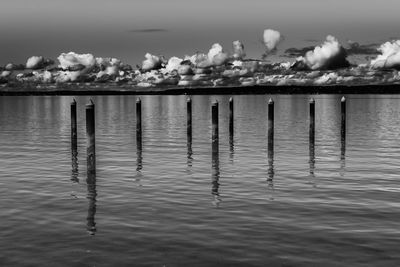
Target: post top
{"points": [[343, 99], [231, 99], [270, 101], [73, 101], [188, 99], [312, 100], [90, 104], [138, 100], [215, 103]]}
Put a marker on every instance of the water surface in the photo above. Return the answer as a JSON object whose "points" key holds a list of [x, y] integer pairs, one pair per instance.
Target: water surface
{"points": [[177, 204]]}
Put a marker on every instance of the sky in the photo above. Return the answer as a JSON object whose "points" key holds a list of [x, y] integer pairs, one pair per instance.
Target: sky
{"points": [[127, 29]]}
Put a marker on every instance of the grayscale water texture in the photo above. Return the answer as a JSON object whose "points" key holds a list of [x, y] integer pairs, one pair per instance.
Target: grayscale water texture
{"points": [[179, 204]]}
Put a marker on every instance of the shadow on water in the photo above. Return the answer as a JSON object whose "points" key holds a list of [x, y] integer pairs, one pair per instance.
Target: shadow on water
{"points": [[139, 158], [75, 165], [215, 173], [312, 163], [91, 196], [189, 153], [231, 148], [271, 171], [342, 151]]}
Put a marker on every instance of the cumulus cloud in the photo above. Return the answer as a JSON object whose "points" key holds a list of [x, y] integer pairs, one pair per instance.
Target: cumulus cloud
{"points": [[271, 40], [330, 55], [73, 60], [38, 62], [390, 56], [173, 64], [151, 62], [216, 55], [107, 62], [238, 50]]}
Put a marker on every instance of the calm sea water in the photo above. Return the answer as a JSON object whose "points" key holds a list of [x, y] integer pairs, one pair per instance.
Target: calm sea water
{"points": [[174, 205]]}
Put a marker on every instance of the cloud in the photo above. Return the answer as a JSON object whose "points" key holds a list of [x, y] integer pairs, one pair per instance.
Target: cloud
{"points": [[238, 50], [271, 40], [390, 56], [73, 60], [354, 48], [173, 64], [215, 57], [148, 30], [38, 62], [329, 55], [151, 62], [296, 52]]}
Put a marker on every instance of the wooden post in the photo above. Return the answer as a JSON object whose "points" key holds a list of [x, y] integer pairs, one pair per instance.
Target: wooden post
{"points": [[91, 140], [312, 121], [231, 118], [74, 134], [139, 123], [189, 120], [270, 128], [214, 120], [343, 118]]}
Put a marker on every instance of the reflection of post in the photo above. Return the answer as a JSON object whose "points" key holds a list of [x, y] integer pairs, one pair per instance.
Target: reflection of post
{"points": [[91, 195], [74, 134], [215, 154], [75, 166], [271, 172], [90, 132], [215, 173], [139, 159], [343, 136], [270, 127], [312, 162]]}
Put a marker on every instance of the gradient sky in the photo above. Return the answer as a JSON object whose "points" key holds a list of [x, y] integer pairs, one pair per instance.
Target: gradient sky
{"points": [[127, 29]]}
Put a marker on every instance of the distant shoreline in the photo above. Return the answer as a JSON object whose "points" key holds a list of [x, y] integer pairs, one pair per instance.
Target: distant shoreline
{"points": [[115, 89]]}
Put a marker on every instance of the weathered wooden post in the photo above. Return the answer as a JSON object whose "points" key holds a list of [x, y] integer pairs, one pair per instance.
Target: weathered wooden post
{"points": [[231, 128], [343, 136], [74, 134], [91, 140], [214, 120], [139, 123], [312, 122], [270, 128], [343, 118], [189, 120]]}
